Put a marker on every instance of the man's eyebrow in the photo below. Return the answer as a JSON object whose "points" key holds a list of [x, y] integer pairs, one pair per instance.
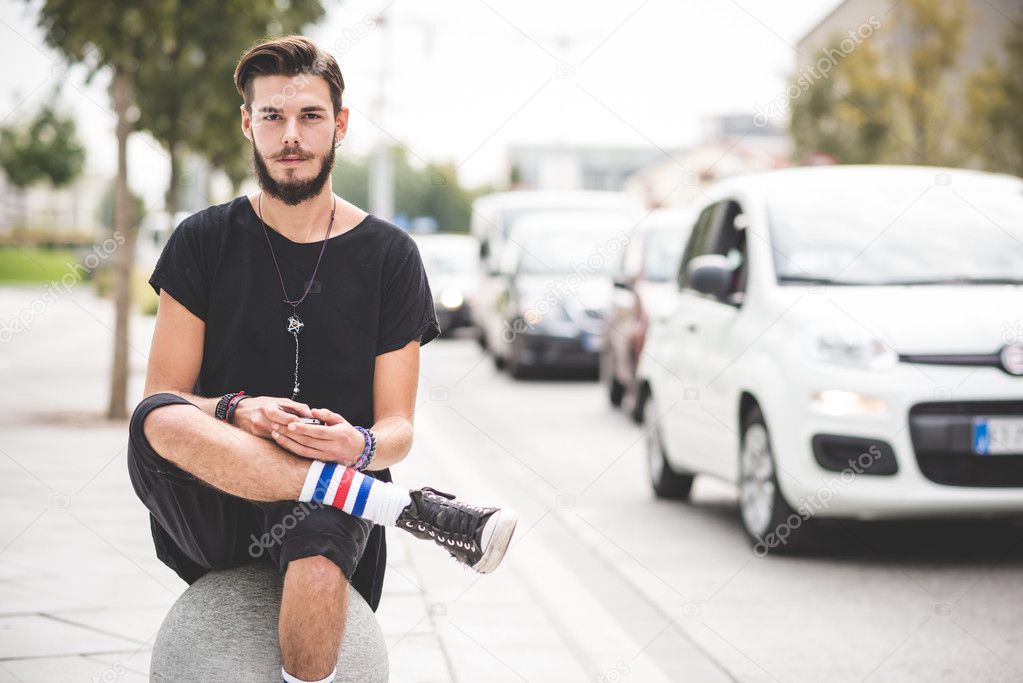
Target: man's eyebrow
{"points": [[277, 110]]}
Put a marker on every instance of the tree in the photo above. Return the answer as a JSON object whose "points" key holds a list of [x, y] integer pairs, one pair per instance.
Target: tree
{"points": [[432, 191], [109, 36], [995, 102], [886, 105], [936, 31], [848, 115], [46, 149]]}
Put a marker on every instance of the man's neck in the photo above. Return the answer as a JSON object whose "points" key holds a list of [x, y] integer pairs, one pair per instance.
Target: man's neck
{"points": [[304, 222]]}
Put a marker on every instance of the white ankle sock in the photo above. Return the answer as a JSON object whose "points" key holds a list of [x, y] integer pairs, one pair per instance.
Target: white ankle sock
{"points": [[288, 678], [354, 492]]}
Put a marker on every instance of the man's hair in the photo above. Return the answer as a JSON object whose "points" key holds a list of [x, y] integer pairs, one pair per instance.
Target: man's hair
{"points": [[288, 56]]}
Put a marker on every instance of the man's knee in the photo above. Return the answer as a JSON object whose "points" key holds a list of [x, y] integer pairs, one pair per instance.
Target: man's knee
{"points": [[317, 574]]}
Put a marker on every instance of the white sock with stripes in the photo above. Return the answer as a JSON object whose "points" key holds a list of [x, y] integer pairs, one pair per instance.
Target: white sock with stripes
{"points": [[354, 492], [288, 678]]}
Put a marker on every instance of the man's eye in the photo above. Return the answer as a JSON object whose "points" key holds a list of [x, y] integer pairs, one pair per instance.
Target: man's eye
{"points": [[271, 117], [315, 116]]}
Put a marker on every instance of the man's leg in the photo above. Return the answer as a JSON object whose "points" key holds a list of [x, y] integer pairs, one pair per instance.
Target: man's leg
{"points": [[317, 548], [314, 608]]}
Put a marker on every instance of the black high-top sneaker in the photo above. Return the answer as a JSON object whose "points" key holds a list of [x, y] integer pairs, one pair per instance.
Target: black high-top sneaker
{"points": [[475, 536]]}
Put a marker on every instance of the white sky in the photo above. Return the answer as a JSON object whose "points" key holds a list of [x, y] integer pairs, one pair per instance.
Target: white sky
{"points": [[466, 78]]}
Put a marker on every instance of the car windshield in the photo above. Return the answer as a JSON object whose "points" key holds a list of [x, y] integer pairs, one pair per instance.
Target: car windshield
{"points": [[891, 235], [661, 253], [450, 259], [562, 252]]}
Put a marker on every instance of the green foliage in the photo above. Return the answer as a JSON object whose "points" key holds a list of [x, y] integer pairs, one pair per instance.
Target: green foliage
{"points": [[47, 149], [888, 106], [995, 100], [431, 191], [848, 115]]}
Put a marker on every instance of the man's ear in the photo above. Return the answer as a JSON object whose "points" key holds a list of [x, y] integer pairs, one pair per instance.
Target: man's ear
{"points": [[341, 122], [246, 122]]}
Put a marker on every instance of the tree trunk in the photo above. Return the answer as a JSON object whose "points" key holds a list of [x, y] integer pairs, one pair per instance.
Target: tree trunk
{"points": [[174, 186], [124, 258]]}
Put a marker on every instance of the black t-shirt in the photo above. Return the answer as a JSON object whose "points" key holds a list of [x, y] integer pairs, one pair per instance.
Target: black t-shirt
{"points": [[370, 296]]}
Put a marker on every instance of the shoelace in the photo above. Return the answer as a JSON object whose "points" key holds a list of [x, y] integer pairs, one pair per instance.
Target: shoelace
{"points": [[465, 527]]}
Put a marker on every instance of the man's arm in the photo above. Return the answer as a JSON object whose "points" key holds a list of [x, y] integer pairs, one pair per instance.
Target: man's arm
{"points": [[395, 383], [175, 355]]}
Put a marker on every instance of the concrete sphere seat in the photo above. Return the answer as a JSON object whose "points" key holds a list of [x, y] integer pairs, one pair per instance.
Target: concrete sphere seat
{"points": [[224, 628]]}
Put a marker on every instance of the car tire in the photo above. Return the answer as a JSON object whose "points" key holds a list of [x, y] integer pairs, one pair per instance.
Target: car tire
{"points": [[516, 368], [770, 523], [665, 482], [639, 403]]}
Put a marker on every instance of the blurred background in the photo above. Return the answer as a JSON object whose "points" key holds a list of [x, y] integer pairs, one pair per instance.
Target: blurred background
{"points": [[732, 309]]}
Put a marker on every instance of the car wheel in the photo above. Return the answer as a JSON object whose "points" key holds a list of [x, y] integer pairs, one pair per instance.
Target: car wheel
{"points": [[770, 523], [665, 482], [516, 368], [639, 404]]}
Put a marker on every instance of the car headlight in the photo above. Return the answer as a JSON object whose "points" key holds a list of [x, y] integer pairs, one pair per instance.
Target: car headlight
{"points": [[451, 298], [841, 402], [850, 349]]}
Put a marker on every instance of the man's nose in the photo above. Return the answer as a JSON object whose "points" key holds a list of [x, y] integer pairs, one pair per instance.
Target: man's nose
{"points": [[291, 135]]}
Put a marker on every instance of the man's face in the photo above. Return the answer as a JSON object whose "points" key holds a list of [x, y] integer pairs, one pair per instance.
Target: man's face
{"points": [[293, 132]]}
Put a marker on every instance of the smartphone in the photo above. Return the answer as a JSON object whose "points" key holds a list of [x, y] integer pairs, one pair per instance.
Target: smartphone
{"points": [[310, 421]]}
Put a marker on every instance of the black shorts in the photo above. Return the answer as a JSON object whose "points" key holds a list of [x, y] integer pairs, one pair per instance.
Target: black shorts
{"points": [[197, 528]]}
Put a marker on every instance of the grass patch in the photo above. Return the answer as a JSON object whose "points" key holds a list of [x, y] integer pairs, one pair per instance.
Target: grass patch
{"points": [[36, 264]]}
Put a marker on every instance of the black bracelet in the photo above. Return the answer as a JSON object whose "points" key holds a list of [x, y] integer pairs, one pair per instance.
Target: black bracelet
{"points": [[221, 412], [231, 407]]}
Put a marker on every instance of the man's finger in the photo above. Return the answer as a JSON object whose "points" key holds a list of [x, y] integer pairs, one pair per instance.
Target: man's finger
{"points": [[317, 432], [295, 447], [300, 409]]}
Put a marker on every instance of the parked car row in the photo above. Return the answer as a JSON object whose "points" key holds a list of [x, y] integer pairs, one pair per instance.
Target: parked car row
{"points": [[838, 342]]}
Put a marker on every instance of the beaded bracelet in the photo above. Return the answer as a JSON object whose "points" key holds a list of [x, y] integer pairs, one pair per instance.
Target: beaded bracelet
{"points": [[369, 451]]}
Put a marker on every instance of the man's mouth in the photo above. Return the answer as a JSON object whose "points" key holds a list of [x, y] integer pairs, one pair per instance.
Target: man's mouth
{"points": [[291, 160]]}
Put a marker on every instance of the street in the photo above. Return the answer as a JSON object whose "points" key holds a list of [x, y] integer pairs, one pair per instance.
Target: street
{"points": [[603, 582]]}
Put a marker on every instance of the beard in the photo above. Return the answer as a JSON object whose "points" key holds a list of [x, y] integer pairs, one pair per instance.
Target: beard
{"points": [[291, 192]]}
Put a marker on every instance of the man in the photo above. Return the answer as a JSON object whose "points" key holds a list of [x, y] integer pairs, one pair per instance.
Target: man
{"points": [[292, 291]]}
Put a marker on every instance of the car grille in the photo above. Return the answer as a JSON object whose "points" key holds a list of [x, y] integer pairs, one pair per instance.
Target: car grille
{"points": [[942, 438]]}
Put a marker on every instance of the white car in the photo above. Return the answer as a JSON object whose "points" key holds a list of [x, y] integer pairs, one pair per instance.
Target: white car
{"points": [[846, 342]]}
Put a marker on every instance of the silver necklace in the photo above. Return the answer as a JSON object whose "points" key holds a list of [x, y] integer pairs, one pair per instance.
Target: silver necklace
{"points": [[294, 323]]}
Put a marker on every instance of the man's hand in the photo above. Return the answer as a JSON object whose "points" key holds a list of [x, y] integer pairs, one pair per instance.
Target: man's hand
{"points": [[334, 441], [259, 414]]}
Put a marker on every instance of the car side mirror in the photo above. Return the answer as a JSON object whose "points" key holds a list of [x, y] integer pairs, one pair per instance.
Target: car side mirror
{"points": [[623, 282], [710, 274]]}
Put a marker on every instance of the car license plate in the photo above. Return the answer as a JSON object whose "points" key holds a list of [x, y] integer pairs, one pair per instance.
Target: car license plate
{"points": [[997, 435]]}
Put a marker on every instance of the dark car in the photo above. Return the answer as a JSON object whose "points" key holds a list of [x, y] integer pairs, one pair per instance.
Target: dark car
{"points": [[556, 289], [452, 266], [644, 289]]}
